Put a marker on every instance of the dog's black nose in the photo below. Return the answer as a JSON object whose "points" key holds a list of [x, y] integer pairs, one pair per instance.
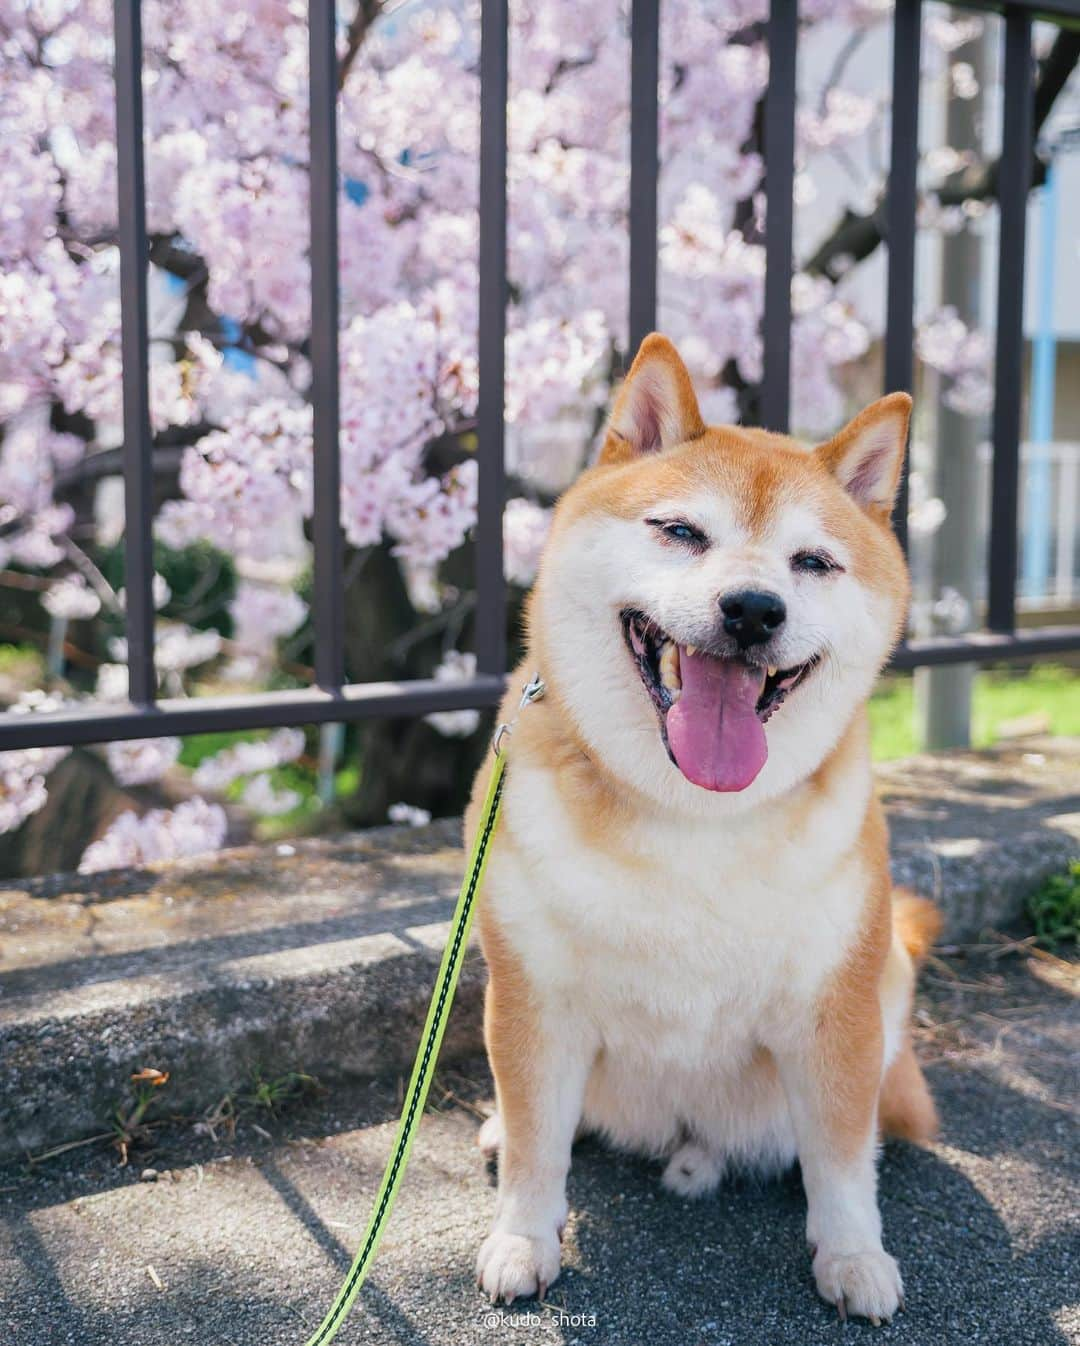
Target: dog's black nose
{"points": [[752, 616]]}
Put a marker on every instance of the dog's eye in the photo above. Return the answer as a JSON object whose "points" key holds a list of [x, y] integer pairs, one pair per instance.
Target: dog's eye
{"points": [[683, 532], [813, 562], [678, 530]]}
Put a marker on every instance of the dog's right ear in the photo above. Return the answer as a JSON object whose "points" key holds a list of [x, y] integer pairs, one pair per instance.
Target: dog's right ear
{"points": [[656, 407]]}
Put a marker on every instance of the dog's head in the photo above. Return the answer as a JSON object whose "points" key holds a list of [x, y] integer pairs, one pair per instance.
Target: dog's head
{"points": [[714, 603]]}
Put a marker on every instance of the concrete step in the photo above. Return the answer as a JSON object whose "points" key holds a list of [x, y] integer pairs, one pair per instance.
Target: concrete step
{"points": [[319, 956], [245, 1241], [316, 956]]}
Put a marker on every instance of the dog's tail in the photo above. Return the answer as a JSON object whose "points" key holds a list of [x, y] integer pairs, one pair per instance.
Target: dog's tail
{"points": [[917, 921]]}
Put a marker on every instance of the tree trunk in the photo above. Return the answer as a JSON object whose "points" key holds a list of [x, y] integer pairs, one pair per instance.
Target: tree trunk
{"points": [[407, 760]]}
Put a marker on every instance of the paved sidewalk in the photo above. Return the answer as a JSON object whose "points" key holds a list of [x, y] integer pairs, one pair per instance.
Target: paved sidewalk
{"points": [[319, 954], [243, 1242]]}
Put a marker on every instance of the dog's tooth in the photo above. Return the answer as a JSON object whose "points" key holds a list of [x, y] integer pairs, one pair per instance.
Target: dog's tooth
{"points": [[772, 670], [670, 674], [691, 649]]}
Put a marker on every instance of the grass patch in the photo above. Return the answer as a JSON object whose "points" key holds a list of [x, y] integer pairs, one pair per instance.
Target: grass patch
{"points": [[1055, 908], [195, 748], [270, 1095], [22, 667], [998, 697]]}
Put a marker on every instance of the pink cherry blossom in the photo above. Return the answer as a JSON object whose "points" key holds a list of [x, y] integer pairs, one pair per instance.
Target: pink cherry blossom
{"points": [[192, 828], [525, 530], [456, 666], [261, 797], [227, 164], [262, 614], [22, 783], [72, 599], [245, 759], [408, 815], [142, 760]]}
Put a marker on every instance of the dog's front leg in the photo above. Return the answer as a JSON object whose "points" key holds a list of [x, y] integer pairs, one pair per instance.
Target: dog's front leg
{"points": [[832, 1086], [540, 1057]]}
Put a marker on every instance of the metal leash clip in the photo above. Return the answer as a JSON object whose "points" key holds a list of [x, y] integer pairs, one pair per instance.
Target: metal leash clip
{"points": [[533, 690]]}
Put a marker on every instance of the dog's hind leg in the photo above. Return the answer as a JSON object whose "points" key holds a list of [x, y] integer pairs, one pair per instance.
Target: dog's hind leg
{"points": [[906, 1109], [489, 1137]]}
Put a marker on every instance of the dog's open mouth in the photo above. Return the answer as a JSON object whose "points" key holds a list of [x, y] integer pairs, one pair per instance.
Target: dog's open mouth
{"points": [[712, 709]]}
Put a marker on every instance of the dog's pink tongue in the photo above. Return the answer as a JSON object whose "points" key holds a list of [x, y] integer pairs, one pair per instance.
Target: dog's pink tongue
{"points": [[713, 729]]}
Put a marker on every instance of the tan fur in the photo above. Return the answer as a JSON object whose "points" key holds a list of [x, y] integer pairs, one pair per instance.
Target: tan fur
{"points": [[657, 360], [917, 921], [509, 1028], [711, 979], [848, 1036], [906, 1109]]}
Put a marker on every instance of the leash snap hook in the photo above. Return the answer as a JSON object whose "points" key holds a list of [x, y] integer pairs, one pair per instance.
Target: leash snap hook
{"points": [[533, 690]]}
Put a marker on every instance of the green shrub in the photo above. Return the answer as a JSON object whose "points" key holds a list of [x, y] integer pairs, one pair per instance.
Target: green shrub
{"points": [[1055, 907]]}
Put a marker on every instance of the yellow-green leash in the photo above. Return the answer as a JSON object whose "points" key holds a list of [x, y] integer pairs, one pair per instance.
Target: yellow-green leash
{"points": [[442, 998]]}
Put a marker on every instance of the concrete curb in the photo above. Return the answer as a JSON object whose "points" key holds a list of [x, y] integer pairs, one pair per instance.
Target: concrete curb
{"points": [[979, 832], [319, 955], [210, 970]]}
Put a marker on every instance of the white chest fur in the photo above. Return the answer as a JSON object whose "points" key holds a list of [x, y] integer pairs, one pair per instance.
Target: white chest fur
{"points": [[702, 938]]}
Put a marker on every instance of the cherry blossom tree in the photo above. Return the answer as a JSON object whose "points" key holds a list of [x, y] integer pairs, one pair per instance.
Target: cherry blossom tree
{"points": [[227, 182]]}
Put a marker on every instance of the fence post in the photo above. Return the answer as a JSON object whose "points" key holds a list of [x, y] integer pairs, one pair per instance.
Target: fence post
{"points": [[901, 207], [1014, 183], [780, 213], [644, 166], [326, 520], [134, 345], [491, 348]]}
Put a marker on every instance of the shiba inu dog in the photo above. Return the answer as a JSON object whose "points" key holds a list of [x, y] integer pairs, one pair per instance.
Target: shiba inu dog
{"points": [[693, 944]]}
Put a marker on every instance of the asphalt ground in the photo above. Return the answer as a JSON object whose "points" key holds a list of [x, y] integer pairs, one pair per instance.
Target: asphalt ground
{"points": [[246, 1231]]}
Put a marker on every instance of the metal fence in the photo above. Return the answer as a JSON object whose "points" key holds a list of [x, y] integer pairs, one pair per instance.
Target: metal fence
{"points": [[332, 699]]}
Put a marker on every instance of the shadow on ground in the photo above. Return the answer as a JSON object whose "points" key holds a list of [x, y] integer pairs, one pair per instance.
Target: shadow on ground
{"points": [[245, 1242]]}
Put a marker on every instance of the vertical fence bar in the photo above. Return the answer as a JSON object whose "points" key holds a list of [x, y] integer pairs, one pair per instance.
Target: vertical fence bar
{"points": [[1014, 182], [779, 219], [1068, 517], [491, 349], [644, 166], [326, 520], [134, 345], [901, 205]]}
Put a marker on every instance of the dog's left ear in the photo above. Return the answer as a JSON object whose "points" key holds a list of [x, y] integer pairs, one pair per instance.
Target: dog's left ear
{"points": [[867, 455], [656, 407]]}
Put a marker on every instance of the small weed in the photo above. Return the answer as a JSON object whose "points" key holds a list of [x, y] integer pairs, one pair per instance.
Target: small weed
{"points": [[265, 1096], [269, 1095], [131, 1126], [221, 1117], [1055, 907], [129, 1122]]}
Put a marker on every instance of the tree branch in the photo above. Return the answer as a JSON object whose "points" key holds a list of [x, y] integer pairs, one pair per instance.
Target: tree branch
{"points": [[855, 237], [168, 450], [367, 11]]}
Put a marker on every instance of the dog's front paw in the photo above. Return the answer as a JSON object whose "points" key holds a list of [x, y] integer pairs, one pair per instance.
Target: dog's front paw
{"points": [[865, 1283], [513, 1266], [693, 1170]]}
